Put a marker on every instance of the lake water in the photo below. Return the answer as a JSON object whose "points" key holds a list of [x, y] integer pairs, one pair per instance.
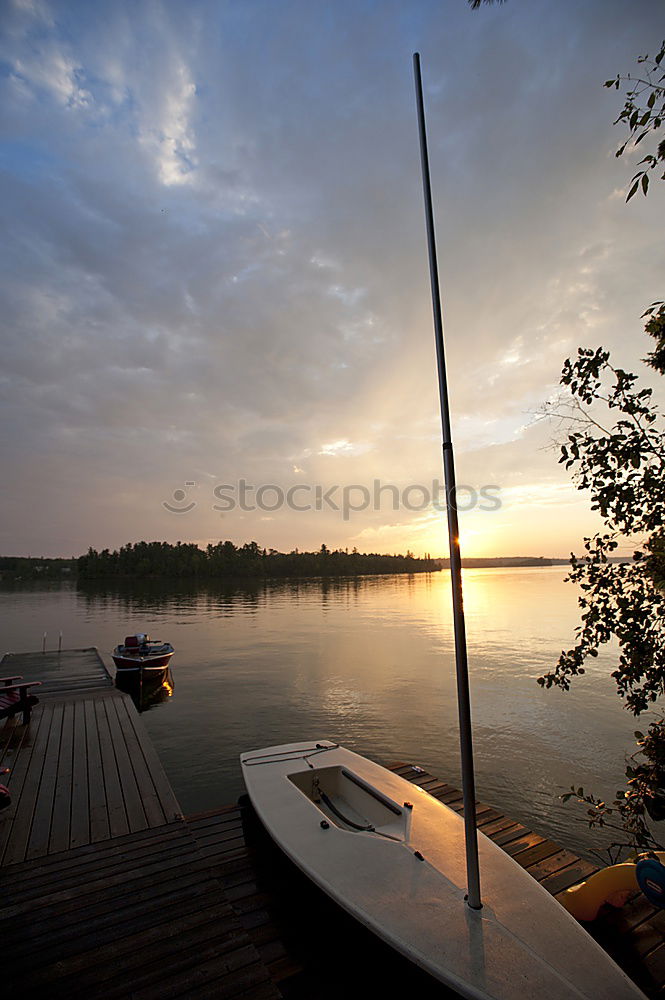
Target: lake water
{"points": [[368, 663]]}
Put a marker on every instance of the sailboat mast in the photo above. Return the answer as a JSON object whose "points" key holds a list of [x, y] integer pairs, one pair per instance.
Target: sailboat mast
{"points": [[463, 696]]}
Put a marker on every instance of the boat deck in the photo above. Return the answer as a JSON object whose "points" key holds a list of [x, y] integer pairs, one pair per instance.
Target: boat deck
{"points": [[108, 891]]}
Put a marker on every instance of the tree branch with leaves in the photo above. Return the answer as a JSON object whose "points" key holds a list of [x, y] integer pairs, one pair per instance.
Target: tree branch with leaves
{"points": [[644, 114], [615, 450], [619, 460]]}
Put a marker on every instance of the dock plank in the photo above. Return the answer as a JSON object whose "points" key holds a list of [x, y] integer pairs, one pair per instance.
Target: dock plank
{"points": [[11, 737], [60, 673], [80, 805], [550, 865], [36, 878], [98, 817], [82, 939], [61, 816], [17, 757], [150, 801], [536, 852], [115, 803], [167, 799], [180, 890], [162, 959], [136, 819], [20, 823]]}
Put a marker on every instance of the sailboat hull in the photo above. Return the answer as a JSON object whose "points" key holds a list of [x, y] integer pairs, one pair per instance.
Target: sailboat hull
{"points": [[393, 857]]}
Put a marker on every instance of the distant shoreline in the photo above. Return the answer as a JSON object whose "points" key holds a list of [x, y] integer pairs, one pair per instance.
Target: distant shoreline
{"points": [[502, 561], [15, 568]]}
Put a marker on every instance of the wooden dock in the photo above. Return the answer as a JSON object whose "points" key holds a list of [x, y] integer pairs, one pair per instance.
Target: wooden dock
{"points": [[84, 769], [104, 890], [108, 891]]}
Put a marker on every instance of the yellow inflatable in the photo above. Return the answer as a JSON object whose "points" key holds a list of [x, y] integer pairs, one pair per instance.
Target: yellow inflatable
{"points": [[612, 885]]}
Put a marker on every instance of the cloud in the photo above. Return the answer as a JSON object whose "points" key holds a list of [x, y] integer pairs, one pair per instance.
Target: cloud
{"points": [[171, 138], [216, 259]]}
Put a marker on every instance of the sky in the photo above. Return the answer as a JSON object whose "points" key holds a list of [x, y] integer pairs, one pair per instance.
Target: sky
{"points": [[215, 267]]}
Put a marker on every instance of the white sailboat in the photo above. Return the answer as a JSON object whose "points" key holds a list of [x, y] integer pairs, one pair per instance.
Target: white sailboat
{"points": [[404, 864], [393, 856]]}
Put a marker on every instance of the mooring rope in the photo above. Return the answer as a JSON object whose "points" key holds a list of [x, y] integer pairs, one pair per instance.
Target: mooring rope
{"points": [[279, 758], [340, 815]]}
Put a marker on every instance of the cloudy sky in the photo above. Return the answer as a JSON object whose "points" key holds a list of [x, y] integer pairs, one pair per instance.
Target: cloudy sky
{"points": [[215, 266]]}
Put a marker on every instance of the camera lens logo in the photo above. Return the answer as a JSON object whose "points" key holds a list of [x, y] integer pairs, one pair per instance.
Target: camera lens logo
{"points": [[179, 496]]}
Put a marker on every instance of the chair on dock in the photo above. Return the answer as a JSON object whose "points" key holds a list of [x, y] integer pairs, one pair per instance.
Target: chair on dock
{"points": [[15, 698]]}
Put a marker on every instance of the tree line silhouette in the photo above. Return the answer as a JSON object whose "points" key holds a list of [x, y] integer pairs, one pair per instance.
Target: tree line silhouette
{"points": [[185, 559]]}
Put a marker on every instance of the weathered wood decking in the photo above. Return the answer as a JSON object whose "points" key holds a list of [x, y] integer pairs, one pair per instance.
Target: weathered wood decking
{"points": [[69, 673], [107, 891], [84, 769], [104, 891], [138, 916]]}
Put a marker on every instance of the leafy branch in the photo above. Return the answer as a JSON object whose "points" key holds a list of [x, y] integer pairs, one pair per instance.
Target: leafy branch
{"points": [[655, 327], [621, 463], [641, 801], [644, 114]]}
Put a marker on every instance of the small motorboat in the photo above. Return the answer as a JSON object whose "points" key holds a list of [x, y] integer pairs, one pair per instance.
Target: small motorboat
{"points": [[142, 655], [146, 691]]}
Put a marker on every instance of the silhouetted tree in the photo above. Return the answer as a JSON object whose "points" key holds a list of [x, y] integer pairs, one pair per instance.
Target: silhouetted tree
{"points": [[619, 457]]}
